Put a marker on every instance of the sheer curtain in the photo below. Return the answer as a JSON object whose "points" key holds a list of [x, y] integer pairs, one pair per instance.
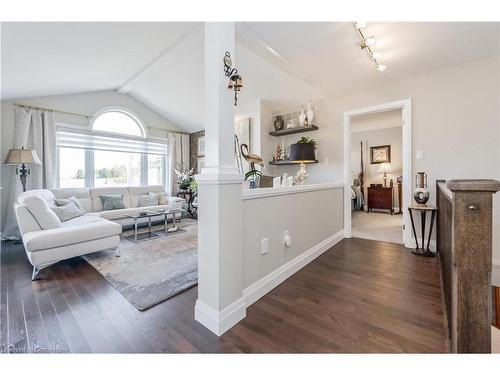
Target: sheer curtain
{"points": [[34, 130], [178, 153]]}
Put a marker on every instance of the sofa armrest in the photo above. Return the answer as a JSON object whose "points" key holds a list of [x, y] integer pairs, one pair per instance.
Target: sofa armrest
{"points": [[51, 238]]}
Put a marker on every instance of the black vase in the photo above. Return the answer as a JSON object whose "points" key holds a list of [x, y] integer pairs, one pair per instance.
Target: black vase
{"points": [[279, 124]]}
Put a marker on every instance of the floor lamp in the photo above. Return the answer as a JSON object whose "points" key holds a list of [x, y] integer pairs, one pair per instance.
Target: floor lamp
{"points": [[22, 157]]}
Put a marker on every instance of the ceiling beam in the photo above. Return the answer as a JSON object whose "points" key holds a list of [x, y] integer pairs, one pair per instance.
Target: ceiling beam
{"points": [[128, 85]]}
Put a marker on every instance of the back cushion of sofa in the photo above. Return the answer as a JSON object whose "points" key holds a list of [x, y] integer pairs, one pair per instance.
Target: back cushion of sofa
{"points": [[136, 191], [95, 195], [39, 207], [45, 194], [82, 194]]}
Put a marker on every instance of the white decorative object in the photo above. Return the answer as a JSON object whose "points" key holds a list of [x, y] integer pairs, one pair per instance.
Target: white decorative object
{"points": [[302, 174], [276, 181], [302, 117], [290, 125], [310, 113], [284, 180]]}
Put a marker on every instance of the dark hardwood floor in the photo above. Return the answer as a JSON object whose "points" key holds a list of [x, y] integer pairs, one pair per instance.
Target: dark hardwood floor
{"points": [[361, 296]]}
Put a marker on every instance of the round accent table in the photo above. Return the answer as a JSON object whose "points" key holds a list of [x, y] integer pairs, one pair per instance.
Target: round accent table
{"points": [[424, 250]]}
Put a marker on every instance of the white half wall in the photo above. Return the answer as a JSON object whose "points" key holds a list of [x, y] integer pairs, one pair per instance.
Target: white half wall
{"points": [[313, 217]]}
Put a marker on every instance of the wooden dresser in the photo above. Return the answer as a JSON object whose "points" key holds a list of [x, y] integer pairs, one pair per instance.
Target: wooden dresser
{"points": [[380, 197]]}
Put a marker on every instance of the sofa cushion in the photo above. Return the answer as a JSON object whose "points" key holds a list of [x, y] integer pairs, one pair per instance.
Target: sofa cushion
{"points": [[95, 194], [85, 219], [67, 211], [63, 202], [82, 194], [46, 194], [135, 191], [112, 202], [41, 211], [70, 234], [150, 199], [120, 214]]}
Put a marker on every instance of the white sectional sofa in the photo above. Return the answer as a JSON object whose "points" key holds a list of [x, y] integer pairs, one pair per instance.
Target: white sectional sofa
{"points": [[96, 230]]}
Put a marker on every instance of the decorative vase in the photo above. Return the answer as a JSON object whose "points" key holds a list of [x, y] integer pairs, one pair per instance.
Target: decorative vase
{"points": [[310, 113], [302, 117], [421, 193], [278, 123]]}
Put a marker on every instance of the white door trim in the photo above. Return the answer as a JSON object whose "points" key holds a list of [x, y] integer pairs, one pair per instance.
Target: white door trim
{"points": [[405, 106]]}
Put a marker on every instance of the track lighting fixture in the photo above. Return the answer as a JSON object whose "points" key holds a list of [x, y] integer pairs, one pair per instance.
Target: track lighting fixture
{"points": [[367, 43]]}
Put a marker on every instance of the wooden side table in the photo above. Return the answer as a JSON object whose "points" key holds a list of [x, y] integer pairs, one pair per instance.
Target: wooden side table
{"points": [[424, 251]]}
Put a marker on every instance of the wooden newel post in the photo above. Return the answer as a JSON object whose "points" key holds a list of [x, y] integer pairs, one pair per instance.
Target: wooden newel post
{"points": [[471, 262]]}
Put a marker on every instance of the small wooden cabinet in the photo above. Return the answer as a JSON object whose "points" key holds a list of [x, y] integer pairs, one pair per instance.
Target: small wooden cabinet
{"points": [[380, 197]]}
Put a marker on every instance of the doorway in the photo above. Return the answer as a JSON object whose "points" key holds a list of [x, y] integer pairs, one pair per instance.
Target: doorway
{"points": [[377, 150]]}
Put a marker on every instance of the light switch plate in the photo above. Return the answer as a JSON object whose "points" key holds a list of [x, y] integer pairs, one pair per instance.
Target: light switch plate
{"points": [[420, 155], [264, 246]]}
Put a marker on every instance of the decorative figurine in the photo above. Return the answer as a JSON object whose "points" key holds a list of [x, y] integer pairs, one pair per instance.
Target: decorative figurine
{"points": [[277, 153], [302, 174], [302, 117], [310, 113]]}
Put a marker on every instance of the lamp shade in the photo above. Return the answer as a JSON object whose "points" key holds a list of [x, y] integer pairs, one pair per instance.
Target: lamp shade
{"points": [[384, 168], [21, 156], [302, 153]]}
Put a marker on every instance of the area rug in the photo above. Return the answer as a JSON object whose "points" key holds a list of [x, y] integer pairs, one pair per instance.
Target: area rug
{"points": [[152, 271]]}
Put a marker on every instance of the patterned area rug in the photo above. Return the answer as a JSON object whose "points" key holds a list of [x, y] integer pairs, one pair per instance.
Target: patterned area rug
{"points": [[154, 270]]}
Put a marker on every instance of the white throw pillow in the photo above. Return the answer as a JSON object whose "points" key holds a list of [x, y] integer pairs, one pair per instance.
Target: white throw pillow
{"points": [[43, 214], [151, 199]]}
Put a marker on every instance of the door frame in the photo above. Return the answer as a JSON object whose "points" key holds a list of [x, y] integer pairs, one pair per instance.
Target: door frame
{"points": [[405, 106]]}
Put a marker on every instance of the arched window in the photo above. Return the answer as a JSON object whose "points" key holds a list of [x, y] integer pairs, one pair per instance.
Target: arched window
{"points": [[116, 148], [118, 121]]}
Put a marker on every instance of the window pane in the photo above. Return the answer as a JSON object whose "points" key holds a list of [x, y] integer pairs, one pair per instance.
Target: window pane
{"points": [[71, 167], [116, 168], [117, 122], [155, 170]]}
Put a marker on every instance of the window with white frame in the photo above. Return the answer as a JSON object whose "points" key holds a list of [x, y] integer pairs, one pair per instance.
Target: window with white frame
{"points": [[114, 152]]}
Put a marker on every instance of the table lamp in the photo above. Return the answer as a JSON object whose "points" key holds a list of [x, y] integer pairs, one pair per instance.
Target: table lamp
{"points": [[21, 156], [385, 168], [302, 153]]}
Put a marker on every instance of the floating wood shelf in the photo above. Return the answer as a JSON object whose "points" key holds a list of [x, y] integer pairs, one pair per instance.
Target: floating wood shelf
{"points": [[288, 162], [298, 129]]}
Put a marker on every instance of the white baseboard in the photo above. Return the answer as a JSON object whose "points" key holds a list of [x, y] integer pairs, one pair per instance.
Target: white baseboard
{"points": [[219, 322], [260, 288]]}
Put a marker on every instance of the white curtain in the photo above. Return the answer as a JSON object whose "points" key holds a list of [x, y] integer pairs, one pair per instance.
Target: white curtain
{"points": [[34, 130], [178, 154]]}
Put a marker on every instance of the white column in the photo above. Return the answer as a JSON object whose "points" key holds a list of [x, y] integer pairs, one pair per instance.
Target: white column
{"points": [[220, 260]]}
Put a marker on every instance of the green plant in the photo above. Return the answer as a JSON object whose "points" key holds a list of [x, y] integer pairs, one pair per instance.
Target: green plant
{"points": [[252, 175], [307, 140], [193, 186]]}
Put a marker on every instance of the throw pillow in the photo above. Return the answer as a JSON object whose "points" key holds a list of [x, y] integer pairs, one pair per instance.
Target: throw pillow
{"points": [[112, 202], [68, 211], [162, 198], [63, 202], [151, 199], [44, 216]]}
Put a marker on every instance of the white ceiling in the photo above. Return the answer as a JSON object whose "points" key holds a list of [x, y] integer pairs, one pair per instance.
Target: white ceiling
{"points": [[161, 64]]}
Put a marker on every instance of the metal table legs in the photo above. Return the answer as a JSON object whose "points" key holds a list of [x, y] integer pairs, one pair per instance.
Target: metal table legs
{"points": [[424, 250]]}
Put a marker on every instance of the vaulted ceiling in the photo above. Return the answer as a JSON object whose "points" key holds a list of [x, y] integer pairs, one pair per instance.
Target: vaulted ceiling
{"points": [[161, 64]]}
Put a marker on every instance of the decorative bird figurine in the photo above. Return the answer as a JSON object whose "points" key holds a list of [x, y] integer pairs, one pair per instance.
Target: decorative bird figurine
{"points": [[252, 159]]}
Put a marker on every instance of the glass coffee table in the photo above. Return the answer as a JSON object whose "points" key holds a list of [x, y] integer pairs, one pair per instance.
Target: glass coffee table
{"points": [[141, 236]]}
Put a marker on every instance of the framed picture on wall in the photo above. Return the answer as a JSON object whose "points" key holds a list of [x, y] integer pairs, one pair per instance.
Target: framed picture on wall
{"points": [[380, 154]]}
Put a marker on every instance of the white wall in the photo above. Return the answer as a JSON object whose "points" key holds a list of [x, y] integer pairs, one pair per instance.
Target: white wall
{"points": [[378, 137], [309, 217], [86, 103], [455, 121]]}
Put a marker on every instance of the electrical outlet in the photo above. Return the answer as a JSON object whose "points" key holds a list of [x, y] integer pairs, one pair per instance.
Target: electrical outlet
{"points": [[286, 239], [263, 246]]}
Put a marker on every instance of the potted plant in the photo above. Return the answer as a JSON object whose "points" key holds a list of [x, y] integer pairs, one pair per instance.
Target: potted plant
{"points": [[184, 177], [303, 150]]}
